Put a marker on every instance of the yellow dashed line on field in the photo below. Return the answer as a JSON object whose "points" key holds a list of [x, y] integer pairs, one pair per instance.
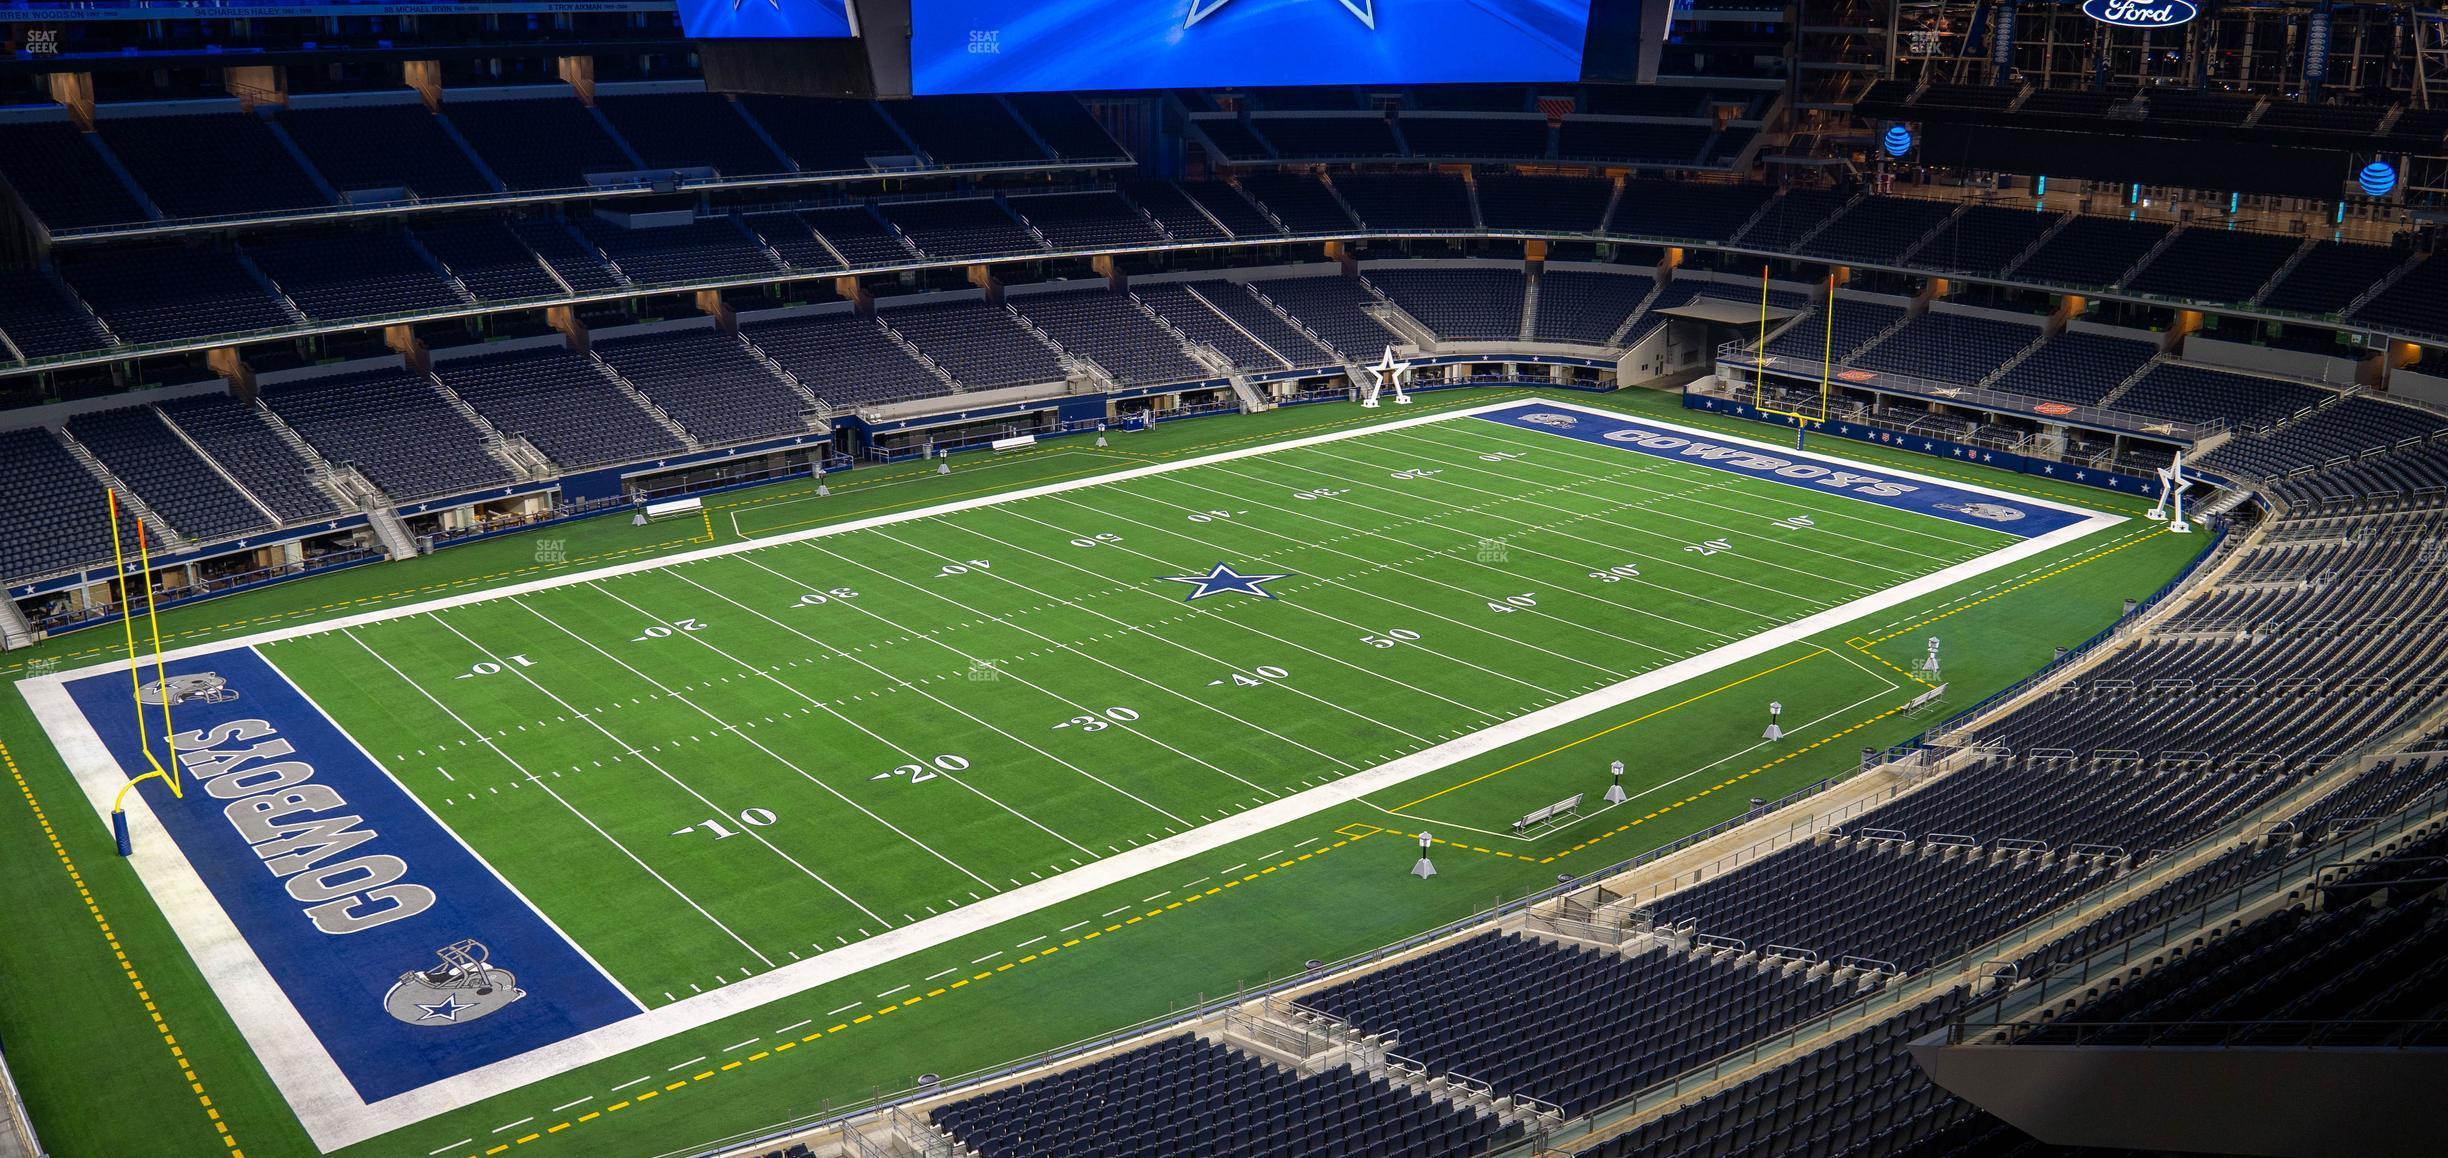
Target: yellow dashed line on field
{"points": [[881, 1011], [229, 1142]]}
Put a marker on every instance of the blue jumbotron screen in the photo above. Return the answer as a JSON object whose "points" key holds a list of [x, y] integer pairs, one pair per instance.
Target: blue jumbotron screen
{"points": [[764, 19], [967, 46]]}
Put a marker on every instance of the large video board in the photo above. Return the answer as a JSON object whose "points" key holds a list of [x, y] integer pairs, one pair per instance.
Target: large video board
{"points": [[967, 46], [764, 19]]}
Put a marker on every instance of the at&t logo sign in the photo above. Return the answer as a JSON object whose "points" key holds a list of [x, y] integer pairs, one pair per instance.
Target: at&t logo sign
{"points": [[2141, 13]]}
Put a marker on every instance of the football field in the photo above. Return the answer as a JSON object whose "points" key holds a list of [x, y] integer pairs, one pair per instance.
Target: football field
{"points": [[664, 792]]}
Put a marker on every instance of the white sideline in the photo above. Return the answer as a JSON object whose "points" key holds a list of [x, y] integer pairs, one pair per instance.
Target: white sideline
{"points": [[334, 1116]]}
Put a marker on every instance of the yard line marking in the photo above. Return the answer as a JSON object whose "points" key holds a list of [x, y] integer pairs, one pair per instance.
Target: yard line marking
{"points": [[634, 1081], [1636, 528], [567, 1105], [1064, 929], [1068, 702], [681, 1066], [777, 757], [1074, 650], [749, 1042], [844, 1009], [963, 713], [893, 990], [999, 952], [1668, 510], [1296, 604], [1029, 942], [1406, 608], [1679, 593], [930, 977], [684, 786], [583, 818], [334, 1117], [1553, 528], [455, 1145], [513, 1125], [1574, 448], [1212, 616]]}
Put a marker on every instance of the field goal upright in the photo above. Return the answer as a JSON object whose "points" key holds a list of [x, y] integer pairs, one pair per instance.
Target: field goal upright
{"points": [[1760, 399]]}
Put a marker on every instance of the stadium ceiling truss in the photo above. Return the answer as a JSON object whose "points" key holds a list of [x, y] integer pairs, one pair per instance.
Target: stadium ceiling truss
{"points": [[2399, 49]]}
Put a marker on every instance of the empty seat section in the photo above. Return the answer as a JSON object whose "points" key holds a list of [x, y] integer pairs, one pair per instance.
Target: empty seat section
{"points": [[2091, 251], [335, 274], [2077, 366], [1581, 139], [41, 319], [1401, 202], [548, 142], [139, 447], [1333, 308], [1108, 328], [1237, 212], [577, 262], [690, 130], [491, 261], [791, 236], [1959, 349], [2331, 277], [1506, 138], [2215, 265], [845, 359], [210, 164], [2190, 393], [368, 147], [561, 401], [1088, 220], [828, 136], [163, 293], [1324, 138], [240, 436], [1586, 306], [1984, 239], [395, 427], [1578, 1027], [966, 130], [1786, 220], [1065, 127], [1299, 200], [1880, 229], [983, 346], [1468, 305], [54, 515], [710, 384], [1674, 210], [1544, 204], [1173, 209], [63, 178], [968, 227], [860, 235], [702, 250], [1190, 312]]}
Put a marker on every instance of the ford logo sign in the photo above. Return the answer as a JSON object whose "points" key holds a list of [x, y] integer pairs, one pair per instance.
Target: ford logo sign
{"points": [[2141, 13]]}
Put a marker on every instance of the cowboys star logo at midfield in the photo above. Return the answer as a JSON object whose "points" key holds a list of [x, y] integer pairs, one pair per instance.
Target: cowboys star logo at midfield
{"points": [[466, 985], [1223, 579]]}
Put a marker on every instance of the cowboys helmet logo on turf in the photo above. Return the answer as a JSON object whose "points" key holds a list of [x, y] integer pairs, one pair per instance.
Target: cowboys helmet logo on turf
{"points": [[463, 987], [200, 688], [1546, 418], [1994, 512]]}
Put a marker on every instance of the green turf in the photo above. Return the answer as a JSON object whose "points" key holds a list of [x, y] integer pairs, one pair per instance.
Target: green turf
{"points": [[1399, 559]]}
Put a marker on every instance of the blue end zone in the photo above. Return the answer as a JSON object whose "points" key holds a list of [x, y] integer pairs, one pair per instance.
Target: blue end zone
{"points": [[1809, 471], [341, 883]]}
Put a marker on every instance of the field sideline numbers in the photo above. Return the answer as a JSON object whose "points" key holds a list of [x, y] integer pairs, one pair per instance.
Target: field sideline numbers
{"points": [[1617, 573], [667, 630], [751, 817], [488, 667], [820, 598], [1099, 721], [1512, 603], [926, 771], [1259, 676], [1096, 540], [963, 568], [1389, 639]]}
